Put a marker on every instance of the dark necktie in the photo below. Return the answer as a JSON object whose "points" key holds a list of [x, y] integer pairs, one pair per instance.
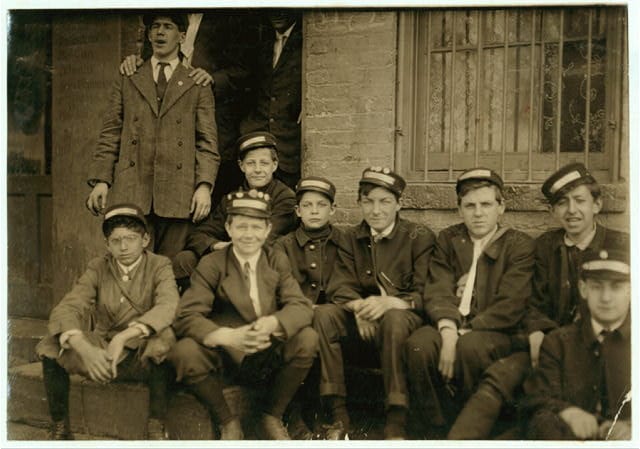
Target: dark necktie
{"points": [[247, 274], [574, 256], [161, 85]]}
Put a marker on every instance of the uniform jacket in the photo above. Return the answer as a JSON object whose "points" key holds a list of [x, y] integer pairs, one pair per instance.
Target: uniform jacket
{"points": [[98, 301], [503, 278], [312, 262], [278, 99], [570, 370], [211, 230], [150, 155], [551, 303], [219, 297], [398, 262]]}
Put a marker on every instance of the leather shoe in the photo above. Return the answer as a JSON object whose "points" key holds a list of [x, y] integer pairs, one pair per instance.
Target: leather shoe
{"points": [[336, 431], [298, 429], [231, 430], [271, 428], [60, 430]]}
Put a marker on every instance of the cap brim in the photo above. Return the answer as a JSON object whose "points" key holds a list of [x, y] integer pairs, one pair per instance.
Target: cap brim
{"points": [[302, 190], [379, 183], [248, 212], [605, 274]]}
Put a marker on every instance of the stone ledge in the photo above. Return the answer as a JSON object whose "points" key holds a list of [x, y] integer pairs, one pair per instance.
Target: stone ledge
{"points": [[520, 197]]}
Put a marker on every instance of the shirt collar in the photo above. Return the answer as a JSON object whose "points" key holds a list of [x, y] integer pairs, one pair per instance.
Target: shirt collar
{"points": [[253, 260], [484, 240], [597, 327], [384, 233], [128, 269], [584, 244], [173, 63], [287, 33]]}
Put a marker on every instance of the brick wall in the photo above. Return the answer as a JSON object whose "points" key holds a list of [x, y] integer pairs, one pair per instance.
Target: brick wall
{"points": [[349, 112]]}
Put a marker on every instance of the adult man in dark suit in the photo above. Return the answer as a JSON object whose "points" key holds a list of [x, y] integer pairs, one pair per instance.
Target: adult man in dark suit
{"points": [[158, 146], [277, 103]]}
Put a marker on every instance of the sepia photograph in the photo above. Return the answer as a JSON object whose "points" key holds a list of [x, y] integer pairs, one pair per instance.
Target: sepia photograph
{"points": [[344, 222]]}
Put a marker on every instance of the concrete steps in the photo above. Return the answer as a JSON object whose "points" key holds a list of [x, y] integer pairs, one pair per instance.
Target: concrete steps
{"points": [[24, 335]]}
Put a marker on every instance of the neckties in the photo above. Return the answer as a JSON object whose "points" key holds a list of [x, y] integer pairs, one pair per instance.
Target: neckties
{"points": [[465, 302], [252, 294], [277, 47], [161, 85]]}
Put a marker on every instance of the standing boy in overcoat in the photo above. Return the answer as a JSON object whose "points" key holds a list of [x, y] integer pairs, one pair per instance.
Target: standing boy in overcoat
{"points": [[478, 284], [581, 389], [158, 143], [100, 328], [376, 297], [245, 316]]}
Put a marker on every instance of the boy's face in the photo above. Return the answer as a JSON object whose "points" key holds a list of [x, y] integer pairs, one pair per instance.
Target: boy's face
{"points": [[258, 167], [480, 211], [608, 299], [248, 234], [315, 210], [379, 208], [126, 245], [165, 38], [576, 211]]}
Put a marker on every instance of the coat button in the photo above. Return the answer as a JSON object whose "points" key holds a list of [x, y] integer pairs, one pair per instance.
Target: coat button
{"points": [[595, 388], [134, 141], [271, 120], [179, 166], [312, 247], [273, 98], [368, 246], [179, 143], [313, 265], [314, 285], [135, 119], [368, 272], [178, 121], [132, 163], [596, 353]]}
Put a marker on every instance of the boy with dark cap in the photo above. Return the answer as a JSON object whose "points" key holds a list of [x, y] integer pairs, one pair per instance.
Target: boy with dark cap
{"points": [[376, 296], [581, 389], [245, 316], [478, 284], [158, 144], [312, 250], [129, 295], [258, 160]]}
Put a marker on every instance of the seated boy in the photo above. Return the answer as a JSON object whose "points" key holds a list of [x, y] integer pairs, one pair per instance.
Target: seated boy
{"points": [[100, 328], [376, 297], [258, 160], [312, 250], [475, 296], [245, 316], [581, 389]]}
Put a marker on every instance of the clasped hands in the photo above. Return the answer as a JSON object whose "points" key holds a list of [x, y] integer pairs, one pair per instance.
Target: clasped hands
{"points": [[368, 311], [248, 339]]}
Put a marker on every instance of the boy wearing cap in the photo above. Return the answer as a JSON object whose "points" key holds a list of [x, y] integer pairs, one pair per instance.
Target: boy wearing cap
{"points": [[158, 144], [582, 387], [258, 160], [376, 297], [245, 316], [100, 329], [475, 296]]}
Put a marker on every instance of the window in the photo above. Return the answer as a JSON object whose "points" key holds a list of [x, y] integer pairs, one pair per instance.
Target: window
{"points": [[516, 90]]}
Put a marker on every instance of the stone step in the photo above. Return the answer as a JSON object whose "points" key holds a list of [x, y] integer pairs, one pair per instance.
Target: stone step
{"points": [[24, 335], [117, 410]]}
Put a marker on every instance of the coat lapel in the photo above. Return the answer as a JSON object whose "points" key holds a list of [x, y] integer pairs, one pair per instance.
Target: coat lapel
{"points": [[236, 290], [267, 281], [143, 81], [177, 86]]}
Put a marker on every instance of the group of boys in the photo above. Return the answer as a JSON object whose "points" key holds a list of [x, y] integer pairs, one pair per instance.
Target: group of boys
{"points": [[457, 321]]}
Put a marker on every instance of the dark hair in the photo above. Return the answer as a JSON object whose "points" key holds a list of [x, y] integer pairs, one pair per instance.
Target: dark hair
{"points": [[274, 153], [122, 221], [180, 20], [366, 188], [593, 186], [475, 184]]}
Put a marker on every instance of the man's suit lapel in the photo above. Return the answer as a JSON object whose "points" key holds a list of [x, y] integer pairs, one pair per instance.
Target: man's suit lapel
{"points": [[267, 280], [290, 43], [234, 286], [177, 86], [143, 81]]}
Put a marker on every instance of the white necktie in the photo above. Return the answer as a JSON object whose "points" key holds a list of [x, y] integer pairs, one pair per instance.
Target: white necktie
{"points": [[277, 47], [465, 302]]}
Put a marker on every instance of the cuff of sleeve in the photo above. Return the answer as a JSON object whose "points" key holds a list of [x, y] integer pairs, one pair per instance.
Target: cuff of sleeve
{"points": [[142, 327], [445, 322], [65, 336]]}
